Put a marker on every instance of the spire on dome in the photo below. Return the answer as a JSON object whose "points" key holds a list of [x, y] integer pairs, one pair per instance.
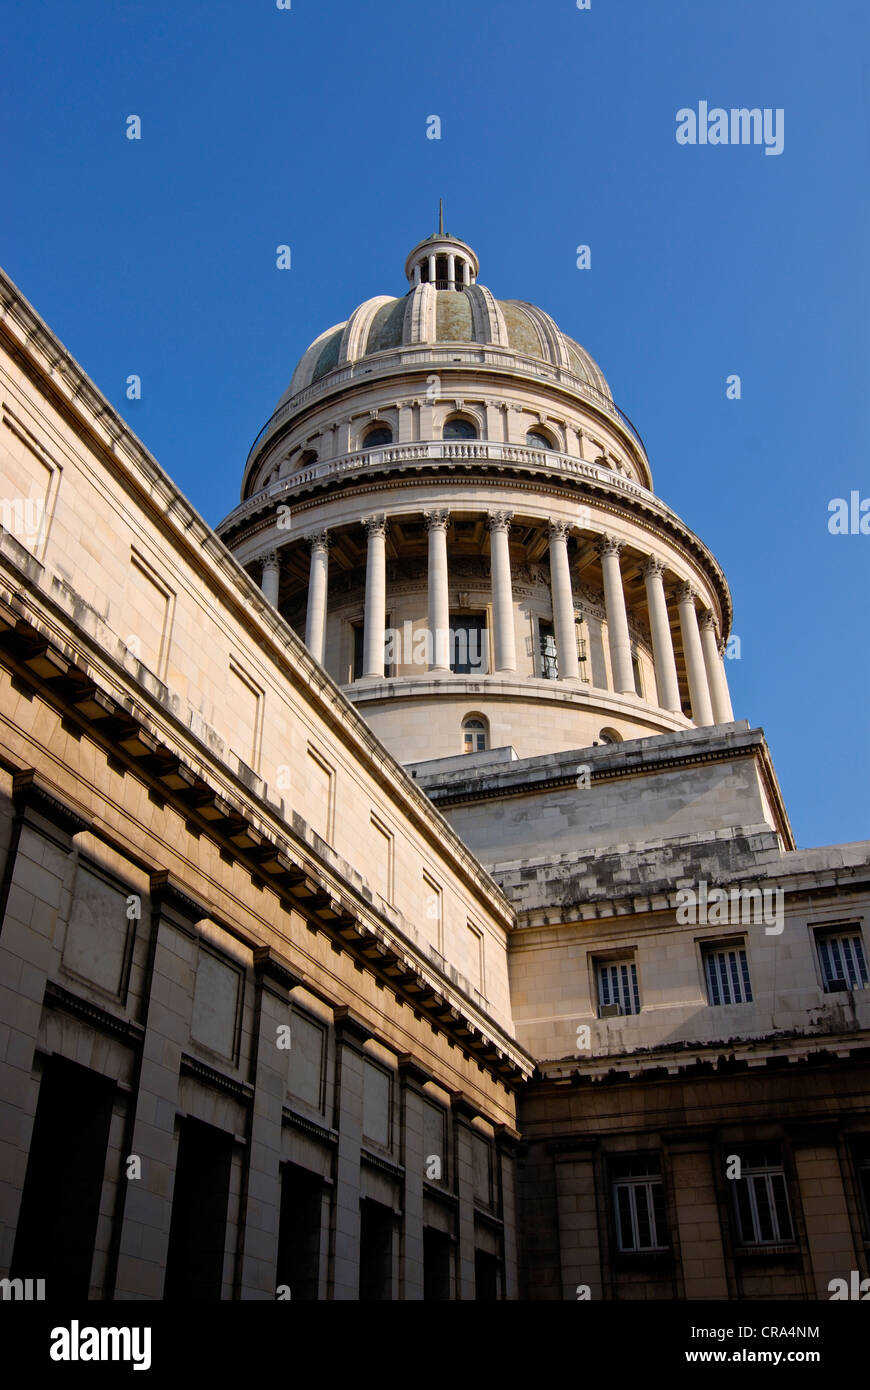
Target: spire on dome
{"points": [[440, 216]]}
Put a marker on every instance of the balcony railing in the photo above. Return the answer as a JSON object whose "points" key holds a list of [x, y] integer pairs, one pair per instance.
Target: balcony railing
{"points": [[407, 358], [434, 454]]}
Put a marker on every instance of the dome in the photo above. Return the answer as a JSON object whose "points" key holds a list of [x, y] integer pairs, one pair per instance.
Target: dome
{"points": [[444, 306]]}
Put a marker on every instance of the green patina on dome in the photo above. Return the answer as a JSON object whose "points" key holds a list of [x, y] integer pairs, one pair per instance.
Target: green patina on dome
{"points": [[386, 327], [522, 334], [578, 361], [328, 355], [453, 319]]}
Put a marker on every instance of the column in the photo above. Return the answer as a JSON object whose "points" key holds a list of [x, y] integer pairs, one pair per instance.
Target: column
{"points": [[579, 1251], [463, 1159], [315, 620], [617, 618], [417, 273], [499, 524], [660, 627], [270, 577], [702, 710], [412, 1272], [376, 597], [439, 602], [432, 271], [830, 1239], [350, 1034], [261, 1182], [451, 269], [157, 1089], [563, 602], [691, 1157], [716, 679]]}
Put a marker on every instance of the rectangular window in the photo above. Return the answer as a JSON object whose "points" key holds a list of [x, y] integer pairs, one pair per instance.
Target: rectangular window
{"points": [[375, 1252], [200, 1201], [861, 1155], [359, 650], [382, 858], [842, 958], [761, 1198], [434, 913], [617, 988], [549, 662], [639, 1204], [299, 1232], [60, 1205], [727, 975], [376, 1105], [468, 644]]}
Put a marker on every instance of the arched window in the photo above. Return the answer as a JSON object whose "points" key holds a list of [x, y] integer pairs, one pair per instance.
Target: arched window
{"points": [[474, 734], [459, 428], [536, 439], [610, 736], [378, 434]]}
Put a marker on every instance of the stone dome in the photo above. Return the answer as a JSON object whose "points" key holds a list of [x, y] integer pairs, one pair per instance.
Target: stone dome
{"points": [[444, 305]]}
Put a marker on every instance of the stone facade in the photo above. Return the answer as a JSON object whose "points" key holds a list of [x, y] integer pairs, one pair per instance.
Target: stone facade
{"points": [[338, 973]]}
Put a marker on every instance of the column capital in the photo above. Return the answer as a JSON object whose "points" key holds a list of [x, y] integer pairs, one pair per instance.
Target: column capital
{"points": [[375, 525], [608, 545], [708, 619], [686, 592], [558, 530], [499, 521], [652, 566], [270, 560], [437, 520], [318, 540]]}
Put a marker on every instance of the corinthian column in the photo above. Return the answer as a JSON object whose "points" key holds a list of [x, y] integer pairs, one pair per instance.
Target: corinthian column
{"points": [[699, 691], [499, 524], [374, 633], [716, 679], [563, 602], [667, 684], [617, 618], [270, 576], [315, 619], [439, 603]]}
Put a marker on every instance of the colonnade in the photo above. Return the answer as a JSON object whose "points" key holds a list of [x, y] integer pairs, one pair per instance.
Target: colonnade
{"points": [[705, 672]]}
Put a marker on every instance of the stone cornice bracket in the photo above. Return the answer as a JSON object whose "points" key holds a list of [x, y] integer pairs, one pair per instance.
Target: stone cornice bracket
{"points": [[376, 525], [558, 530], [437, 520], [686, 591], [499, 521], [318, 540], [652, 566], [608, 545], [30, 794]]}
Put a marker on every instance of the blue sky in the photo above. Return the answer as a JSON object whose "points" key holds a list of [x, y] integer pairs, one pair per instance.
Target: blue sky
{"points": [[307, 127]]}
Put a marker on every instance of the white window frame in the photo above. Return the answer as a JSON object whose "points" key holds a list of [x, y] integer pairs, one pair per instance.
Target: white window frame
{"points": [[849, 945], [722, 980], [765, 1175], [631, 1185], [618, 990]]}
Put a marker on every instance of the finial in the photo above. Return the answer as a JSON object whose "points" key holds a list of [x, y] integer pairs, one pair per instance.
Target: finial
{"points": [[440, 216]]}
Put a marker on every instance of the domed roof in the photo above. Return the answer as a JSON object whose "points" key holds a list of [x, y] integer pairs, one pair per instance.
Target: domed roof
{"points": [[445, 305]]}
